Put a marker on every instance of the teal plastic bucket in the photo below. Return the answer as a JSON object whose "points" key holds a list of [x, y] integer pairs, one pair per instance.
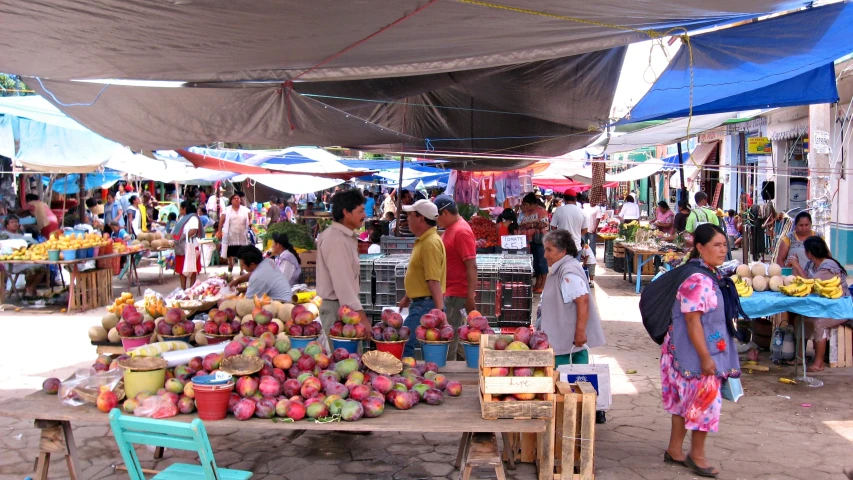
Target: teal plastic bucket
{"points": [[472, 354], [435, 352], [301, 342], [53, 255], [787, 271], [350, 345]]}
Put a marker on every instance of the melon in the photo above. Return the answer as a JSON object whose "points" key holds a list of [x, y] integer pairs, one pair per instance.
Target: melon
{"points": [[232, 304], [277, 305], [748, 281], [200, 339], [776, 282], [744, 271], [272, 309], [113, 336], [284, 311], [246, 318], [759, 269], [759, 284], [109, 321], [774, 270], [279, 323], [158, 236], [146, 244], [789, 279], [97, 333], [245, 307], [156, 243]]}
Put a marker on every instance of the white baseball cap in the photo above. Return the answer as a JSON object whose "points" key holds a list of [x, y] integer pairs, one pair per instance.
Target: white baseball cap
{"points": [[424, 207]]}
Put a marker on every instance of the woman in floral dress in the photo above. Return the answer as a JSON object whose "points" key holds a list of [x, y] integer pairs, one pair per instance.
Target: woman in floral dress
{"points": [[697, 355]]}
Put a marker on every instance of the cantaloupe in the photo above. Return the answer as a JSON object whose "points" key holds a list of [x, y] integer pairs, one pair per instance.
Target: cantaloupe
{"points": [[245, 307], [146, 244], [272, 309], [158, 236], [232, 304], [109, 321], [113, 336], [774, 270], [759, 284], [97, 333], [789, 279], [277, 305], [776, 282], [284, 311], [759, 269], [743, 271], [246, 318], [279, 323], [200, 339]]}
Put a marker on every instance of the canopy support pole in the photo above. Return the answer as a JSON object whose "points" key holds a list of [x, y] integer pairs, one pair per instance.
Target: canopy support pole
{"points": [[683, 192], [399, 195]]}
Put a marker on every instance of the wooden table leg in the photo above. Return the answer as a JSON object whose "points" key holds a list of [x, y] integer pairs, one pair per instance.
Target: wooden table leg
{"points": [[509, 450], [463, 448], [56, 437], [72, 287], [545, 455]]}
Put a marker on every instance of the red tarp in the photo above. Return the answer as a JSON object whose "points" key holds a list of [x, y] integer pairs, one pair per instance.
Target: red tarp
{"points": [[213, 163]]}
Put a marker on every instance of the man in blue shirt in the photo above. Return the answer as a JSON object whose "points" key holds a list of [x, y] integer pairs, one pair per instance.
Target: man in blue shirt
{"points": [[369, 204], [112, 209]]}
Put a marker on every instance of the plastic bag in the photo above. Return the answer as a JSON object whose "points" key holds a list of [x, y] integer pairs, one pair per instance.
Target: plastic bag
{"points": [[156, 406], [154, 349], [83, 386]]}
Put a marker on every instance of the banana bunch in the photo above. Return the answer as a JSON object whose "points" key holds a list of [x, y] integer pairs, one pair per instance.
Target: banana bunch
{"points": [[743, 288], [800, 287], [829, 288]]}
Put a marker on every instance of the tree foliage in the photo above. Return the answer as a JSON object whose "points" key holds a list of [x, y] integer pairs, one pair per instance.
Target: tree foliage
{"points": [[13, 86]]}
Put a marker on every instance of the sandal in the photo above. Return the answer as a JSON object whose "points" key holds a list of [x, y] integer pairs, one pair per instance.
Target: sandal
{"points": [[702, 472], [667, 458]]}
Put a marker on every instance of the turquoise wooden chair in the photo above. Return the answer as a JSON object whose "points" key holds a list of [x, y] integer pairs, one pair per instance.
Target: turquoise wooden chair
{"points": [[129, 430]]}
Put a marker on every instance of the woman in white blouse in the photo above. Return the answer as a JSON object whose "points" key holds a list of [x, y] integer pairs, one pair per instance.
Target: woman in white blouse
{"points": [[630, 210]]}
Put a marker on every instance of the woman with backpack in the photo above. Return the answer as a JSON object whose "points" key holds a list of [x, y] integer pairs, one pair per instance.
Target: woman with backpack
{"points": [[698, 353]]}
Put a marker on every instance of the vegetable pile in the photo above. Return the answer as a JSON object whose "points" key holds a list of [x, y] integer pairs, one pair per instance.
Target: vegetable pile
{"points": [[484, 229]]}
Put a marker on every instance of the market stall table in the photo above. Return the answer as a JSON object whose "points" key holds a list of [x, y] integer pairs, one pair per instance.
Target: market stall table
{"points": [[763, 304], [75, 272], [456, 415], [630, 252]]}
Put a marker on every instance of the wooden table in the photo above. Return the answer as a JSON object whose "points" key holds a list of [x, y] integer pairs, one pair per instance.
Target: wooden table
{"points": [[75, 272], [630, 252], [456, 415]]}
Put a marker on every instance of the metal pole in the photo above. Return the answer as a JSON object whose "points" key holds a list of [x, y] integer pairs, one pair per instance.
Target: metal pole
{"points": [[742, 185], [399, 195], [683, 195]]}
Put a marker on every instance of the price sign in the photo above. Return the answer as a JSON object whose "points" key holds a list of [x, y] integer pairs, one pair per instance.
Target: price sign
{"points": [[820, 141], [513, 242]]}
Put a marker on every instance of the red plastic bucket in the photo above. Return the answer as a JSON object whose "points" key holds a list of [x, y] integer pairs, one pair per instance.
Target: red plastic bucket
{"points": [[212, 400], [214, 339], [129, 343], [394, 348]]}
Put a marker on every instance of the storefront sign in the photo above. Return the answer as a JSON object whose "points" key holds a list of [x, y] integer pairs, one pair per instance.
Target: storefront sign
{"points": [[758, 146], [749, 126], [820, 141], [712, 135], [513, 242]]}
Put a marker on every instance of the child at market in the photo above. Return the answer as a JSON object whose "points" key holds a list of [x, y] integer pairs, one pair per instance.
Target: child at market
{"points": [[172, 221], [589, 262], [117, 232]]}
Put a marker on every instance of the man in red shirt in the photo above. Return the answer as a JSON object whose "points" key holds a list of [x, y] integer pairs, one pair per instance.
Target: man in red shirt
{"points": [[461, 250]]}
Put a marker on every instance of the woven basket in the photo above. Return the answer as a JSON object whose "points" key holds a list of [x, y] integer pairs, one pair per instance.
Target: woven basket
{"points": [[382, 362], [241, 365], [143, 364]]}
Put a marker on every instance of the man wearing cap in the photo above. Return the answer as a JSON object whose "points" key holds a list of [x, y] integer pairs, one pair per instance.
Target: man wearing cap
{"points": [[427, 272], [460, 248], [570, 217]]}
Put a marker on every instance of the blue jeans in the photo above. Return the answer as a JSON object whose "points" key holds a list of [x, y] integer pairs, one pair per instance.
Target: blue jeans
{"points": [[590, 240], [417, 309]]}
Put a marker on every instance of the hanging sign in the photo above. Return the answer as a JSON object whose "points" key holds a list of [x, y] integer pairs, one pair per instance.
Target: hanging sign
{"points": [[820, 141], [758, 146], [513, 242]]}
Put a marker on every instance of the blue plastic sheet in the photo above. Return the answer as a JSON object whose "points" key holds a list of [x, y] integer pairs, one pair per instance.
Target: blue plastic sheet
{"points": [[778, 62], [762, 304], [70, 184]]}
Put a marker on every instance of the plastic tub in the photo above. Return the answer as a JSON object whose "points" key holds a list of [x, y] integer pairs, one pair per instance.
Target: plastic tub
{"points": [[82, 253], [301, 342], [150, 381], [787, 271], [90, 252], [53, 255], [435, 352], [69, 254], [212, 400], [472, 354], [348, 344], [129, 343], [97, 251], [394, 348]]}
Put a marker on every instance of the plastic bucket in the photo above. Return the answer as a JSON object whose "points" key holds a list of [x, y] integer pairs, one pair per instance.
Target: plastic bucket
{"points": [[787, 271], [215, 339], [394, 348], [129, 343], [97, 251], [301, 342], [90, 252], [69, 254], [212, 400], [350, 345], [82, 253], [472, 354], [435, 352], [151, 381], [53, 255]]}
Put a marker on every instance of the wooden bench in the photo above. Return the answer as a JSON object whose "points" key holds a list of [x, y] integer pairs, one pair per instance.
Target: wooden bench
{"points": [[479, 450]]}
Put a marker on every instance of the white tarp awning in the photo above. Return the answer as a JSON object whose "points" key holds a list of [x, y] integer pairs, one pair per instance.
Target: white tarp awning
{"points": [[692, 165], [643, 170], [666, 133], [296, 184]]}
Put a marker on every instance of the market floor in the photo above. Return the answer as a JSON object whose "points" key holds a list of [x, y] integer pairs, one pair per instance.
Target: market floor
{"points": [[776, 431]]}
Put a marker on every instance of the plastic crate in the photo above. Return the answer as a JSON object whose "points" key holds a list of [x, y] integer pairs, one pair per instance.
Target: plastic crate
{"points": [[400, 276], [516, 279], [487, 292], [385, 267], [308, 276], [397, 245], [365, 275], [386, 300]]}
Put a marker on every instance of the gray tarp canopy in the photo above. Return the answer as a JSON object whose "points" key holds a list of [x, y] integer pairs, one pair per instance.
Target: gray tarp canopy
{"points": [[468, 72]]}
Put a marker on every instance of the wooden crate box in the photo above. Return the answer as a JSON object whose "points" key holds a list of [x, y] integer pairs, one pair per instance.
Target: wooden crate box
{"points": [[574, 427], [542, 388], [841, 347], [93, 289]]}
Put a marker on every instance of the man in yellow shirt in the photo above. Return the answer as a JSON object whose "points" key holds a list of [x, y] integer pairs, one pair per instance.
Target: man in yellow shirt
{"points": [[427, 272]]}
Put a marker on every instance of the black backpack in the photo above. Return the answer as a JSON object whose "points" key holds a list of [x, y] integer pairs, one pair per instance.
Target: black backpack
{"points": [[657, 299]]}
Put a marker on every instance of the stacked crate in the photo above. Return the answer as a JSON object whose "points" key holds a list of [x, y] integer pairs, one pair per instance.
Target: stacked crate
{"points": [[397, 245], [487, 292], [516, 280], [385, 269], [365, 276], [400, 274], [497, 393]]}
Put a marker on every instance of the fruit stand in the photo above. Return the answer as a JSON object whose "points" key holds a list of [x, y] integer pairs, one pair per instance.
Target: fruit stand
{"points": [[638, 256]]}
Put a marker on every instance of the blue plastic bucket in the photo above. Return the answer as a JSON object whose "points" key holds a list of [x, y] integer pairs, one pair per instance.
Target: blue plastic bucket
{"points": [[350, 345], [69, 254], [90, 252], [435, 352], [472, 354], [301, 342], [82, 253]]}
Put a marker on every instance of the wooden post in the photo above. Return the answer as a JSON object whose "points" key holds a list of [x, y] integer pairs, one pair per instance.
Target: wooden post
{"points": [[683, 195], [81, 206], [399, 196]]}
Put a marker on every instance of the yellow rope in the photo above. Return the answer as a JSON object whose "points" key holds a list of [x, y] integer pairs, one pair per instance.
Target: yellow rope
{"points": [[652, 34]]}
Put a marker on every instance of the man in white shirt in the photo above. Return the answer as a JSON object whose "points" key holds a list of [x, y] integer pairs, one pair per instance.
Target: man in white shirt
{"points": [[592, 213], [570, 217], [211, 205]]}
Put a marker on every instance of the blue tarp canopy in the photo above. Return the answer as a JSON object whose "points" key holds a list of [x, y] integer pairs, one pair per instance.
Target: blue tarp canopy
{"points": [[779, 62], [70, 184], [671, 163]]}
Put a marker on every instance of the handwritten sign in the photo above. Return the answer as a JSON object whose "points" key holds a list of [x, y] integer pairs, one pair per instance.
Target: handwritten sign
{"points": [[513, 242], [820, 141]]}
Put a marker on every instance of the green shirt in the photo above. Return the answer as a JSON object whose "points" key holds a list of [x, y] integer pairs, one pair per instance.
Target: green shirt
{"points": [[701, 215], [428, 262]]}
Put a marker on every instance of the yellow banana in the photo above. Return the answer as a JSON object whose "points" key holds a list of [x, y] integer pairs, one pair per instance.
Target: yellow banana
{"points": [[807, 281], [837, 294], [833, 282]]}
